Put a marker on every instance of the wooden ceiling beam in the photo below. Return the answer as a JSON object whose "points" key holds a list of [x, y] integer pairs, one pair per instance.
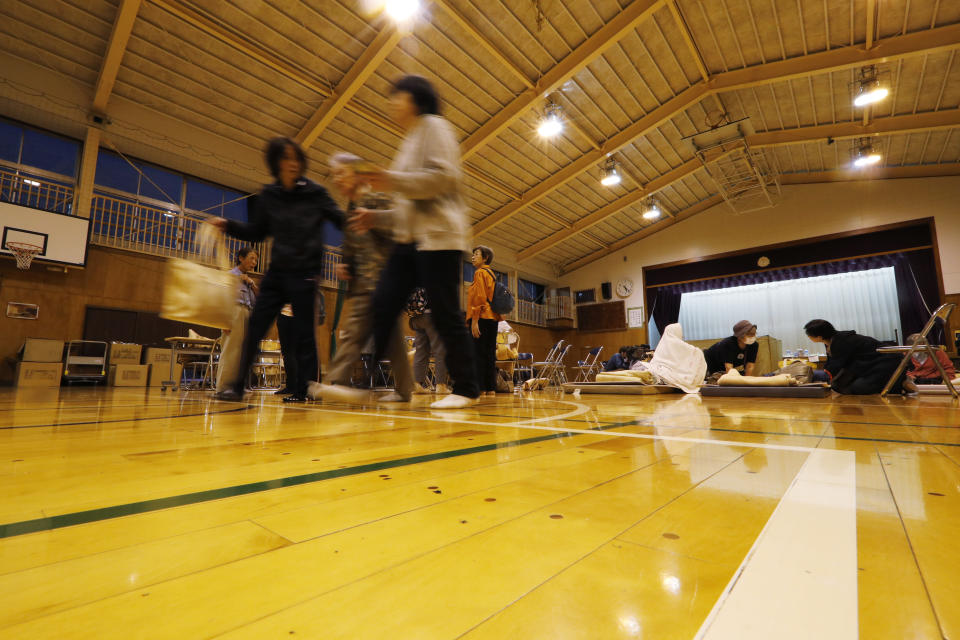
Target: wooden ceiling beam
{"points": [[875, 173], [913, 44], [886, 126], [362, 69], [879, 173], [116, 47], [910, 123], [467, 25], [941, 38], [633, 197], [592, 48], [656, 227], [688, 38], [592, 158]]}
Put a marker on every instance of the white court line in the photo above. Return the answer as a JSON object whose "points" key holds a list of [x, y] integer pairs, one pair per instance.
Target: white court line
{"points": [[529, 425], [799, 580]]}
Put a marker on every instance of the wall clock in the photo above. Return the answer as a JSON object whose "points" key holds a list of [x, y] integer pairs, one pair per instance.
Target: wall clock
{"points": [[624, 287]]}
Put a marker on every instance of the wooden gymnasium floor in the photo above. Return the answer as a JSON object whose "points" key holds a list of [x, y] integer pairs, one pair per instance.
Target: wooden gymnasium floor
{"points": [[137, 514]]}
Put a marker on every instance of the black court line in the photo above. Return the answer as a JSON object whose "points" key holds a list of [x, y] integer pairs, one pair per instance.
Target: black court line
{"points": [[107, 513], [183, 415]]}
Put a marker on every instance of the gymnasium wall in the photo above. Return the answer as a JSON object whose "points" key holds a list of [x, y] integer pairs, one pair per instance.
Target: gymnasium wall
{"points": [[804, 211], [113, 279]]}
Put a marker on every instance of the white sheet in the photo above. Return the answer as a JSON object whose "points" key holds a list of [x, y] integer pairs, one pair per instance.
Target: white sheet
{"points": [[677, 363]]}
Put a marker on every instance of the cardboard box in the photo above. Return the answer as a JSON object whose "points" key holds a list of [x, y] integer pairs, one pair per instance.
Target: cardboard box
{"points": [[128, 375], [38, 374], [159, 361], [41, 350], [123, 353]]}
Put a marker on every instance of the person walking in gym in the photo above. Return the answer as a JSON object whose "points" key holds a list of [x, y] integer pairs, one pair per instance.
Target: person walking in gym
{"points": [[292, 210]]}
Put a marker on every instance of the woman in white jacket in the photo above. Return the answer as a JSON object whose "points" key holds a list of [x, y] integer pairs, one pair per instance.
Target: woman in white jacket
{"points": [[432, 234]]}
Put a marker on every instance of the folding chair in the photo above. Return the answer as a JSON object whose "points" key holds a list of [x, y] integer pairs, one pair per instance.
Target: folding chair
{"points": [[589, 366], [524, 366], [548, 361], [922, 344], [555, 371]]}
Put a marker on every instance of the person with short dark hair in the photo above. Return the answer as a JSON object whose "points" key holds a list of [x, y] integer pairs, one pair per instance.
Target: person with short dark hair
{"points": [[738, 351], [853, 364], [292, 210], [618, 361], [231, 347], [482, 319], [364, 255], [431, 235]]}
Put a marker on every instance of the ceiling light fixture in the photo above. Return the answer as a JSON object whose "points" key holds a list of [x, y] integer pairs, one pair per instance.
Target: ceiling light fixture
{"points": [[869, 89], [866, 155], [402, 10], [651, 210], [611, 175], [552, 123]]}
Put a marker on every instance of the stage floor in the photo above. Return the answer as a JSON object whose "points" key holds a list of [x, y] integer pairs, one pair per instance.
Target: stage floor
{"points": [[131, 513]]}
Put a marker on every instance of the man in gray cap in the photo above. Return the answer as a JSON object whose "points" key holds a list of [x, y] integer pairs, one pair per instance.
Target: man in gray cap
{"points": [[739, 351]]}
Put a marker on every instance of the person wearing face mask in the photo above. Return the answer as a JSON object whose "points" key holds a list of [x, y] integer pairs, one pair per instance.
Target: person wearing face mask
{"points": [[738, 351], [923, 370]]}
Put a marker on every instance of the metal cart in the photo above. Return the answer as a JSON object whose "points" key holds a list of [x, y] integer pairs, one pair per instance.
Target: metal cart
{"points": [[85, 360]]}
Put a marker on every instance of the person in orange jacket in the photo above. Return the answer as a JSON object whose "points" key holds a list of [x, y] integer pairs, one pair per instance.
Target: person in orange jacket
{"points": [[482, 320]]}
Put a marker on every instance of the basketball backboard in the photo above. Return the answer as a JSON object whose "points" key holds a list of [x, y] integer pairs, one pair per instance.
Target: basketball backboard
{"points": [[62, 238]]}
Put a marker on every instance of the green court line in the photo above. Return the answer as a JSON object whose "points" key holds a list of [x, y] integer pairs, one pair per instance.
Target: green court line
{"points": [[73, 424], [118, 511]]}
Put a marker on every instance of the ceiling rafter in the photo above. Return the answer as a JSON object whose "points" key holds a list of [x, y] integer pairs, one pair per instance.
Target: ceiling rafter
{"points": [[688, 38], [880, 173], [116, 47], [593, 47], [894, 125], [467, 25], [920, 43], [352, 81]]}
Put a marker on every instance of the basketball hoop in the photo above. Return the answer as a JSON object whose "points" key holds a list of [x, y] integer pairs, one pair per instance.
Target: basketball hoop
{"points": [[24, 253]]}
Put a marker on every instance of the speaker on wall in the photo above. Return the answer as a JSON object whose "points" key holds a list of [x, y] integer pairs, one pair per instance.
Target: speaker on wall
{"points": [[606, 290]]}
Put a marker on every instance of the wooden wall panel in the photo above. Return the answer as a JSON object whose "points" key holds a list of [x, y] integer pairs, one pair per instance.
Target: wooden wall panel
{"points": [[112, 279]]}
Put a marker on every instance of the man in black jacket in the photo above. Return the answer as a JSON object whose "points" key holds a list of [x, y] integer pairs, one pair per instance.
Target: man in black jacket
{"points": [[853, 363], [293, 211]]}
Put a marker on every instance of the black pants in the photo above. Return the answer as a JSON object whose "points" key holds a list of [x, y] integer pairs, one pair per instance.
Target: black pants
{"points": [[438, 272], [485, 352], [287, 334], [276, 290], [869, 378]]}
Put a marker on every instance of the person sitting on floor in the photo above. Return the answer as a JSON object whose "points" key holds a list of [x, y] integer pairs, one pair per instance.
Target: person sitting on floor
{"points": [[853, 364], [923, 370], [618, 362], [738, 351]]}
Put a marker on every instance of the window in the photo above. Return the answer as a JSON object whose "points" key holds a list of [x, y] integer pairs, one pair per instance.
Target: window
{"points": [[10, 137], [501, 276], [531, 291], [38, 150], [50, 153], [584, 296]]}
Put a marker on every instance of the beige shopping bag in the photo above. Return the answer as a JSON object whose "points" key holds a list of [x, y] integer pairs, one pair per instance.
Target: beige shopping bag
{"points": [[198, 293]]}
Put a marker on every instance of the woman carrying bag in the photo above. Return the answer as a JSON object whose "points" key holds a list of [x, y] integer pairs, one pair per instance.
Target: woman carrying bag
{"points": [[292, 210]]}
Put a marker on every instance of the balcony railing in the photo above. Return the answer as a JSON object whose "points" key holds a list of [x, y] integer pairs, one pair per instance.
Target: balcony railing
{"points": [[530, 313], [34, 192], [560, 308], [132, 226]]}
